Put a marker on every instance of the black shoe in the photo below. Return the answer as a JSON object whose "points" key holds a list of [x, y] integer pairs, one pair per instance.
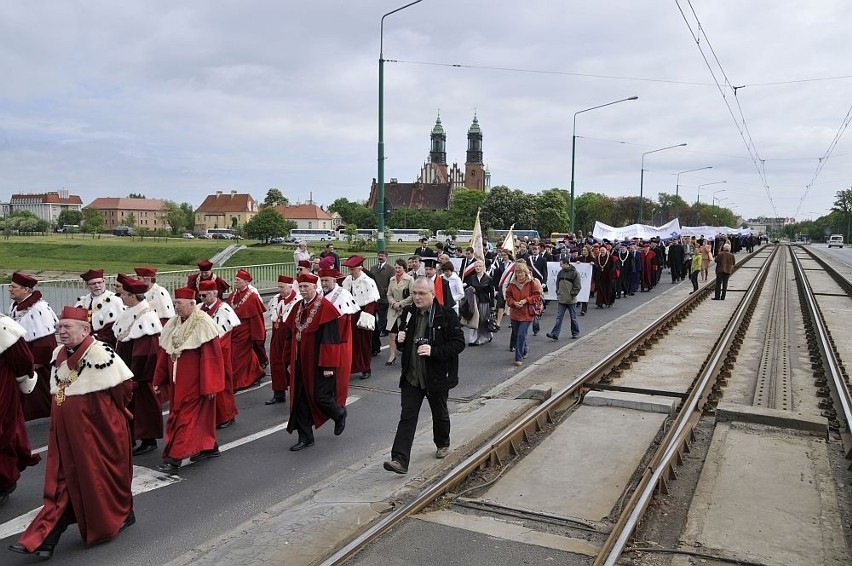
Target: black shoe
{"points": [[390, 362], [511, 348], [340, 423], [472, 344], [145, 447], [575, 337], [44, 551], [376, 353], [366, 374], [714, 298], [301, 446], [128, 522], [277, 398], [225, 424], [206, 454], [395, 466], [168, 467], [549, 335]]}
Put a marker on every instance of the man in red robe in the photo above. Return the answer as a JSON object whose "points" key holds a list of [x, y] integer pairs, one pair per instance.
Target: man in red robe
{"points": [[279, 309], [190, 365], [103, 305], [226, 320], [137, 332], [312, 350], [38, 319], [157, 297], [344, 302], [649, 268], [205, 273], [246, 302], [16, 377], [366, 294], [89, 466]]}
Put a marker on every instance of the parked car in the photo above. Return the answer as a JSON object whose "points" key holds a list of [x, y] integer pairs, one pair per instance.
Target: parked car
{"points": [[836, 240], [188, 236], [277, 240]]}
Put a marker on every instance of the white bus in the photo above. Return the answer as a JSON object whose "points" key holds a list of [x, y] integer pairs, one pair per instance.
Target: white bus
{"points": [[519, 234], [368, 234], [461, 235], [409, 234], [311, 235]]}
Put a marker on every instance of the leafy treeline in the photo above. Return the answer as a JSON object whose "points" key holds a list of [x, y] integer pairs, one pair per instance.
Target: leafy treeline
{"points": [[838, 221]]}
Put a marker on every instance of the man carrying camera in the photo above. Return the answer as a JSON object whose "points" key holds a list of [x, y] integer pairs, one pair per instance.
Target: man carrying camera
{"points": [[431, 340]]}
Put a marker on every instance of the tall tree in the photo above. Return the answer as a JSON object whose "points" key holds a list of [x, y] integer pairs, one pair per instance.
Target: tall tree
{"points": [[504, 207], [843, 205], [274, 197], [93, 220], [130, 220], [462, 213], [267, 224], [551, 212], [590, 208], [69, 217]]}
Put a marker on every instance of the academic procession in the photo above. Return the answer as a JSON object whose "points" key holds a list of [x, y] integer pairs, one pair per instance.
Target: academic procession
{"points": [[136, 388]]}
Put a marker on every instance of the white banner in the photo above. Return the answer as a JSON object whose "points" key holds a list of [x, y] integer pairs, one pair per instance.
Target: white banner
{"points": [[667, 231], [585, 271]]}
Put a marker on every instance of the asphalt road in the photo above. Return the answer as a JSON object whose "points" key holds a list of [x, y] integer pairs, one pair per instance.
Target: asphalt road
{"points": [[214, 496]]}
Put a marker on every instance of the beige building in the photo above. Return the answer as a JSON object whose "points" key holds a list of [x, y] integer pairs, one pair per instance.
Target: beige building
{"points": [[46, 206], [225, 210], [307, 216], [146, 212]]}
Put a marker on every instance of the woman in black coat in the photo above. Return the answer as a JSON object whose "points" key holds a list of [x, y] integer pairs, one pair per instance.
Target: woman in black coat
{"points": [[484, 290]]}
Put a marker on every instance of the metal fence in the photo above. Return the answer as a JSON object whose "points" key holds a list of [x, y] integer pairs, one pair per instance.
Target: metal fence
{"points": [[61, 292]]}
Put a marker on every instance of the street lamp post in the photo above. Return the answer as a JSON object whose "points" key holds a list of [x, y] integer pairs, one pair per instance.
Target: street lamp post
{"points": [[642, 176], [698, 198], [380, 198], [677, 180], [573, 154]]}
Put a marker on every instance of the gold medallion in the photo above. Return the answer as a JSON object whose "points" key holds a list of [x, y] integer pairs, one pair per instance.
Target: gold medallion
{"points": [[60, 397]]}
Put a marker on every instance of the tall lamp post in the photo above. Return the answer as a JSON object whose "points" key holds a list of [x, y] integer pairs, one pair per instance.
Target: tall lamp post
{"points": [[677, 180], [642, 176], [573, 153], [698, 198], [380, 198]]}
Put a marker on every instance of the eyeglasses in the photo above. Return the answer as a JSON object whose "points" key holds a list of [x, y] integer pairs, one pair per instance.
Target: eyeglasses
{"points": [[203, 294]]}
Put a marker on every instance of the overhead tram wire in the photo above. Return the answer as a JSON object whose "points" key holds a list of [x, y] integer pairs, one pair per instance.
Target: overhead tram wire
{"points": [[740, 122], [822, 160]]}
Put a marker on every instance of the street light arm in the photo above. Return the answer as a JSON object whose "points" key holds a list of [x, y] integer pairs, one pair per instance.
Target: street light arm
{"points": [[382, 26]]}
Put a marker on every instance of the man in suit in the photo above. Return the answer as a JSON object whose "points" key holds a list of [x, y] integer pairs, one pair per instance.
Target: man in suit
{"points": [[424, 250], [381, 274]]}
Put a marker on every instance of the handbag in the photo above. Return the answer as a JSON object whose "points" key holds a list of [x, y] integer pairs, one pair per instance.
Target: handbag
{"points": [[366, 321], [535, 309]]}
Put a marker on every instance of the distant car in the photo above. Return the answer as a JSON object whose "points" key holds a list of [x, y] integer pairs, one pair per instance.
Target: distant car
{"points": [[277, 240], [188, 236], [835, 240]]}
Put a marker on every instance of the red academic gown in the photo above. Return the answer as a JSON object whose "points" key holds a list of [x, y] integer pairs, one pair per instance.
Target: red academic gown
{"points": [[15, 451], [246, 364], [89, 437], [221, 285], [191, 427], [649, 268], [317, 347], [226, 403], [140, 355], [277, 364], [362, 343], [37, 404]]}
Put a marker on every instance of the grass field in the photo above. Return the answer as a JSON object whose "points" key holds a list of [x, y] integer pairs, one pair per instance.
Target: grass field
{"points": [[66, 254]]}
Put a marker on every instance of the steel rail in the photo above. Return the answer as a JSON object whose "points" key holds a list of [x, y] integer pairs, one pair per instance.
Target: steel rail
{"points": [[677, 437], [506, 440], [829, 355]]}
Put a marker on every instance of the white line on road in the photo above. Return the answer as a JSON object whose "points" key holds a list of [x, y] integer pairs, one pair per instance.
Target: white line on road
{"points": [[147, 479]]}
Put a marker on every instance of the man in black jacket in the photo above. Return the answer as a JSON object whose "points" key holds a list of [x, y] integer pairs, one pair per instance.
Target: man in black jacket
{"points": [[431, 340]]}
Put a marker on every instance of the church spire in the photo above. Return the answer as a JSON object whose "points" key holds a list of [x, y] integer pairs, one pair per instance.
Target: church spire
{"points": [[474, 142], [438, 151]]}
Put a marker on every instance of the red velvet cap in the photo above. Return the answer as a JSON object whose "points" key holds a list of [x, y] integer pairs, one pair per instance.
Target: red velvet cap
{"points": [[24, 280], [208, 285], [353, 261], [145, 271], [75, 313], [244, 275], [92, 274], [307, 278], [285, 279], [134, 286], [205, 265], [304, 263], [329, 272], [185, 293], [327, 261]]}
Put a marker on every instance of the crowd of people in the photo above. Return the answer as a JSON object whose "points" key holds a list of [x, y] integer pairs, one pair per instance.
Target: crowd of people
{"points": [[129, 351]]}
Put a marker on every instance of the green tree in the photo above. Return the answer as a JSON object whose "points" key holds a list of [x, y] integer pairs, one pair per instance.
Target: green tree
{"points": [[462, 213], [504, 207], [93, 221], [354, 212], [188, 215], [69, 217], [130, 220], [843, 205], [267, 224], [181, 217], [590, 208], [551, 212], [274, 197]]}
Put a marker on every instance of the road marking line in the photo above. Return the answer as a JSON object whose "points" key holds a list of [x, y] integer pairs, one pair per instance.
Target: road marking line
{"points": [[147, 479]]}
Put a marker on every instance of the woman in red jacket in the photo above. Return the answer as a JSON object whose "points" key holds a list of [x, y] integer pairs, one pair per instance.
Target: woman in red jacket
{"points": [[523, 295]]}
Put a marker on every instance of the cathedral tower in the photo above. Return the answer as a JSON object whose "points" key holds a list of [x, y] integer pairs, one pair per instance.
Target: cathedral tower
{"points": [[474, 170]]}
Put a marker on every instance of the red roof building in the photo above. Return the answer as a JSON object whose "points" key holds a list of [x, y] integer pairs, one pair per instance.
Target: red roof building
{"points": [[46, 206], [225, 210], [146, 212]]}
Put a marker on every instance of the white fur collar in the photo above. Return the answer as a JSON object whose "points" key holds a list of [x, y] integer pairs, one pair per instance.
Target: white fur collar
{"points": [[160, 301], [195, 331], [104, 309], [363, 289], [39, 320], [101, 369], [137, 321], [10, 332], [343, 300], [225, 318]]}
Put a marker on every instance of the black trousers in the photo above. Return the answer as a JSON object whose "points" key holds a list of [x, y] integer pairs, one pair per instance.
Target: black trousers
{"points": [[411, 399], [324, 399], [721, 285], [381, 323], [693, 277]]}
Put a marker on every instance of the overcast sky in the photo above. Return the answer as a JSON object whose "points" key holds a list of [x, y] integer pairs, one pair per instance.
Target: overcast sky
{"points": [[178, 99]]}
